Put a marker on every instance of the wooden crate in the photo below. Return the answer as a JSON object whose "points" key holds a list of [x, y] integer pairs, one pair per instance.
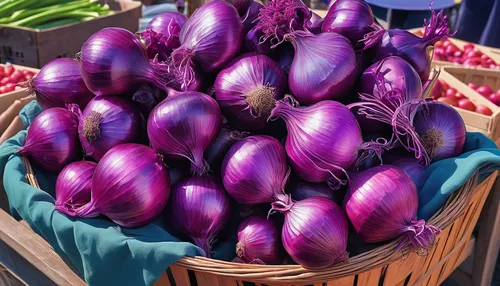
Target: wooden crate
{"points": [[35, 48], [458, 78]]}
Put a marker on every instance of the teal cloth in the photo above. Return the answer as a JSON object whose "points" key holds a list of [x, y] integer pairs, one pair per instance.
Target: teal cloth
{"points": [[105, 254]]}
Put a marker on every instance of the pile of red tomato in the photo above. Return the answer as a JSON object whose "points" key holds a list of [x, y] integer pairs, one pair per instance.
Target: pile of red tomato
{"points": [[443, 92], [470, 56], [10, 77]]}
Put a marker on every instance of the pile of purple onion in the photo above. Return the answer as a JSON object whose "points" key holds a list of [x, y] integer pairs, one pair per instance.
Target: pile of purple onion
{"points": [[301, 129]]}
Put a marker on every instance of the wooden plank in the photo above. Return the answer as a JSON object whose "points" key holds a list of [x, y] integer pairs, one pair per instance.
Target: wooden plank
{"points": [[370, 278], [345, 281], [36, 251], [163, 280], [181, 276], [399, 270]]}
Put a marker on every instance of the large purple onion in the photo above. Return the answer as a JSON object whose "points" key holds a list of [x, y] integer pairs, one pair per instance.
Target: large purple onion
{"points": [[107, 122], [52, 139], [247, 89], [162, 34], [259, 241], [408, 163], [200, 208], [73, 186], [323, 67], [58, 83], [183, 126], [113, 62], [162, 23], [131, 186], [314, 232], [255, 170], [382, 202]]}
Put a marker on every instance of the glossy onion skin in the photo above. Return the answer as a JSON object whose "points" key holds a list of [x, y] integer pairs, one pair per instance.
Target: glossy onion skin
{"points": [[255, 170], [241, 77], [408, 163], [200, 208], [313, 154], [59, 82], [331, 74], [162, 23], [398, 73], [113, 61], [218, 41], [315, 233], [183, 126], [162, 34], [381, 202], [259, 241], [448, 122], [73, 186], [52, 140], [119, 122], [250, 16], [352, 19], [118, 192], [316, 23]]}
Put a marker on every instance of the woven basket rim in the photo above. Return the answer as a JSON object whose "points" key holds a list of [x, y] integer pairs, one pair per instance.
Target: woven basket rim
{"points": [[375, 258]]}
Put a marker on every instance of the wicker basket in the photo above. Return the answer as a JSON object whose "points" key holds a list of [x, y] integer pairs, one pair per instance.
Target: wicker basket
{"points": [[383, 265]]}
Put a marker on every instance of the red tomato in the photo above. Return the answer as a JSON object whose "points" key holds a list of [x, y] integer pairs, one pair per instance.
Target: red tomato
{"points": [[484, 110], [3, 89], [466, 104], [473, 85], [29, 73], [484, 90], [445, 85], [446, 43], [459, 95], [485, 57], [495, 98], [9, 70], [5, 81], [9, 87], [458, 54], [468, 46], [17, 76], [447, 100], [2, 72], [450, 93]]}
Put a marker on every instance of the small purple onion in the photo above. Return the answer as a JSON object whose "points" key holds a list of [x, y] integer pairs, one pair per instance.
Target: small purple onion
{"points": [[252, 43], [107, 122], [259, 241], [255, 170], [73, 186], [302, 190], [408, 163], [250, 16], [131, 186], [314, 232], [162, 34], [200, 208], [247, 89], [52, 139], [167, 23], [58, 83]]}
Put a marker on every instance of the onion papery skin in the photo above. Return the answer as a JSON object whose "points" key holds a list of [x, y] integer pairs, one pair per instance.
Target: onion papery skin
{"points": [[441, 130], [397, 73], [417, 51], [58, 83], [52, 140], [314, 232], [283, 55], [250, 16], [259, 241], [183, 126], [73, 186], [381, 203], [118, 192], [200, 208], [147, 97], [215, 44], [301, 190], [252, 42], [330, 76], [162, 34], [255, 170], [107, 122], [247, 89], [314, 156], [352, 19], [113, 61], [316, 23]]}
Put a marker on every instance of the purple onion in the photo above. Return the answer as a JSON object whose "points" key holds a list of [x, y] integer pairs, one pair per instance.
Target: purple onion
{"points": [[252, 42], [320, 158], [183, 126], [107, 122], [247, 89], [213, 45], [249, 19], [259, 241], [255, 170], [52, 140], [168, 23], [412, 48], [314, 232], [240, 5], [381, 204], [331, 74], [316, 23], [58, 83], [354, 20], [73, 186], [441, 130], [200, 208], [407, 162], [131, 186], [214, 154], [162, 34], [113, 61], [147, 97], [301, 190], [283, 55]]}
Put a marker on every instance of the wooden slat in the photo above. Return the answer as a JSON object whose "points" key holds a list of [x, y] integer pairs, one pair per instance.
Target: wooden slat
{"points": [[399, 270], [346, 281], [36, 251], [163, 280], [181, 276], [370, 278]]}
